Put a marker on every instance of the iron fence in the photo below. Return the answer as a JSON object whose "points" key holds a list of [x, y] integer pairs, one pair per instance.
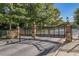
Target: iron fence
{"points": [[45, 31]]}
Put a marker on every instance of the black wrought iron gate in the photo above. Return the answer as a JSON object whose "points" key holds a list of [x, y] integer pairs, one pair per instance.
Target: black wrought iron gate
{"points": [[45, 31]]}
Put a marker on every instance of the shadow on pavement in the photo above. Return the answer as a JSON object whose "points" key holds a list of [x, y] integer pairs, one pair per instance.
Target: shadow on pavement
{"points": [[43, 51], [48, 50], [72, 48], [43, 41]]}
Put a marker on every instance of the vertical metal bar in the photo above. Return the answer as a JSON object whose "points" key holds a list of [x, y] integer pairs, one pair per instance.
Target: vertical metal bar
{"points": [[71, 32], [40, 30], [26, 31], [58, 32], [44, 30], [64, 31], [48, 31], [54, 31]]}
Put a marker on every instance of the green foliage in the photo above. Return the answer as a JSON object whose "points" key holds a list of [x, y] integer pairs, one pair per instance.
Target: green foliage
{"points": [[76, 16], [20, 13]]}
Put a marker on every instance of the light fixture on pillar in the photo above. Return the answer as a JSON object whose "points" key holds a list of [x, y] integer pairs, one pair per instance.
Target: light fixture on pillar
{"points": [[67, 19]]}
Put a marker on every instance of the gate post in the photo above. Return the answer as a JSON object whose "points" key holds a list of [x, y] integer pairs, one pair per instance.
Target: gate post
{"points": [[18, 32], [68, 33], [34, 30]]}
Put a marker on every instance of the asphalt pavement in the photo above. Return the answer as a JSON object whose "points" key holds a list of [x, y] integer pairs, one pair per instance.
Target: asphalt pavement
{"points": [[29, 47]]}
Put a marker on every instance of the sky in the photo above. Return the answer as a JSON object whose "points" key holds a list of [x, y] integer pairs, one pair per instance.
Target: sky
{"points": [[67, 9]]}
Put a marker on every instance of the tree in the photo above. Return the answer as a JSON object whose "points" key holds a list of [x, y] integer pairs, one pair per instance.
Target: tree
{"points": [[30, 12], [76, 16]]}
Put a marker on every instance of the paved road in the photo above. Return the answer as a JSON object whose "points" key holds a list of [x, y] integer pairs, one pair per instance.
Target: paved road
{"points": [[29, 47]]}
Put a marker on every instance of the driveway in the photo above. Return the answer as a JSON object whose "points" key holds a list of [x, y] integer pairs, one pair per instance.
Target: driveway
{"points": [[30, 47]]}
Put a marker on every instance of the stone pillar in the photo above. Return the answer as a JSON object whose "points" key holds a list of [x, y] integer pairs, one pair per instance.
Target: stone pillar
{"points": [[68, 33], [18, 32], [34, 30]]}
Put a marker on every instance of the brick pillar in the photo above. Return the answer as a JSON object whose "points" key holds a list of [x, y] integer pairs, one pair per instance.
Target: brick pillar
{"points": [[68, 33], [34, 30]]}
